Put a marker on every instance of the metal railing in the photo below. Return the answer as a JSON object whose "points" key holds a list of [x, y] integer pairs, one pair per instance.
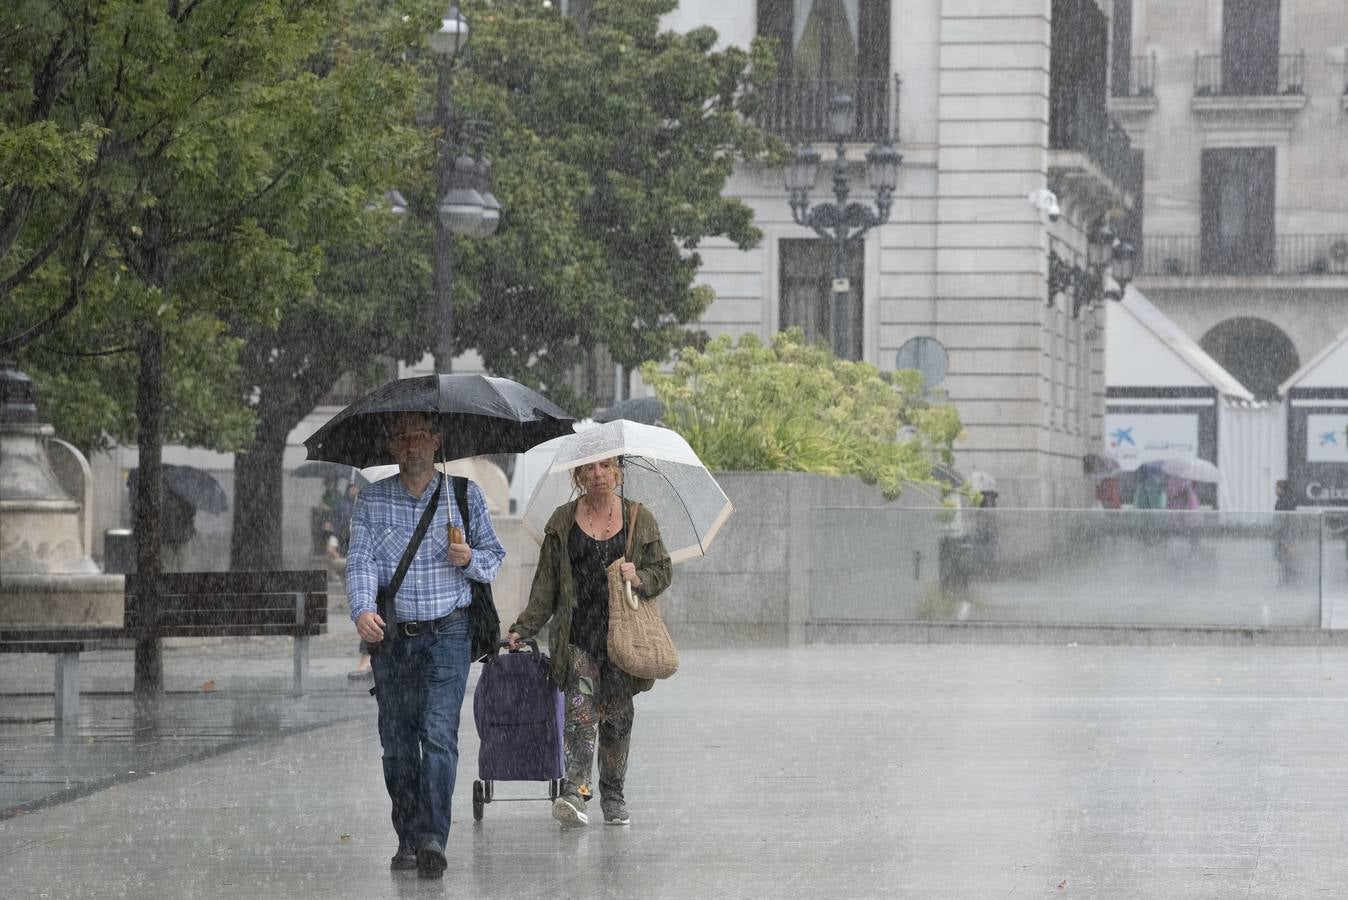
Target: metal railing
{"points": [[1292, 255], [1103, 142], [796, 109], [1212, 80], [1141, 78]]}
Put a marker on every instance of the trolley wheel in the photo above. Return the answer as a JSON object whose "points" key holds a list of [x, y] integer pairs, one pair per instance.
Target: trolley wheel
{"points": [[479, 798], [554, 789], [489, 791]]}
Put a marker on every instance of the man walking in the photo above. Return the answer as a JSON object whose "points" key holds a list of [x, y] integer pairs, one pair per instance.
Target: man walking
{"points": [[421, 668]]}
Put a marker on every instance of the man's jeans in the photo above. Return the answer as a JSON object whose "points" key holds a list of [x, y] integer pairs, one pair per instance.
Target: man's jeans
{"points": [[419, 684]]}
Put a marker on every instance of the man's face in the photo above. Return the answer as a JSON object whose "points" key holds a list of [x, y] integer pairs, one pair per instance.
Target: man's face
{"points": [[413, 442]]}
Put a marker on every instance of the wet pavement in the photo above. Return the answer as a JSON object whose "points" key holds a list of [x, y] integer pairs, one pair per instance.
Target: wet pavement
{"points": [[949, 770]]}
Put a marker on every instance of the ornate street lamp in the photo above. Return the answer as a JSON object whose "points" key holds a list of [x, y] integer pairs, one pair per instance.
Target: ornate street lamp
{"points": [[1110, 266], [841, 221], [463, 184]]}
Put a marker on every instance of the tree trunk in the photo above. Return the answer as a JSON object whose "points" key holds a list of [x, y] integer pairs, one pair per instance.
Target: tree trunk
{"points": [[256, 542], [149, 667]]}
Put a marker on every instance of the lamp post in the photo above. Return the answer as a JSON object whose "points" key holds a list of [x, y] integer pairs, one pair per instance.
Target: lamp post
{"points": [[463, 185], [1110, 266], [840, 221]]}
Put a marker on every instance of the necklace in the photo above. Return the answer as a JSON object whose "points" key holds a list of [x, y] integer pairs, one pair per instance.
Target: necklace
{"points": [[589, 512]]}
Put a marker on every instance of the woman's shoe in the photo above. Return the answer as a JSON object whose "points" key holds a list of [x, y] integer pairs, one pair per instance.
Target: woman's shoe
{"points": [[569, 809]]}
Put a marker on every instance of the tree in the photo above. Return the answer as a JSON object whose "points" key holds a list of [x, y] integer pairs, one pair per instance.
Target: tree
{"points": [[610, 146], [612, 142], [790, 406], [161, 158]]}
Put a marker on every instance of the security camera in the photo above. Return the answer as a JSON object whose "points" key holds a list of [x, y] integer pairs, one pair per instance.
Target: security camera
{"points": [[1046, 201]]}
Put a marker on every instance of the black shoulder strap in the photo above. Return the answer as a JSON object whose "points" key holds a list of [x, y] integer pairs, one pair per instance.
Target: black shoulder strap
{"points": [[401, 572]]}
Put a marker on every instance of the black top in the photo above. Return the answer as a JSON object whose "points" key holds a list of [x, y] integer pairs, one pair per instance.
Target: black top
{"points": [[590, 560]]}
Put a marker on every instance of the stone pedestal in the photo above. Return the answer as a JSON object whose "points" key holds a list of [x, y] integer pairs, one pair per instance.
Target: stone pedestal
{"points": [[46, 576]]}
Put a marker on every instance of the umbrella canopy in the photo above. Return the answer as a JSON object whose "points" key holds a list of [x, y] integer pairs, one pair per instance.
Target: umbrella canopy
{"points": [[1192, 468], [320, 469], [660, 471], [1101, 465], [982, 482], [476, 414], [646, 410], [197, 488]]}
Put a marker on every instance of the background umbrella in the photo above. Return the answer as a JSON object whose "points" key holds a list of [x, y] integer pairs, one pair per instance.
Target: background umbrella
{"points": [[477, 414], [320, 469], [197, 488], [1101, 465], [1192, 468], [982, 482], [646, 410], [659, 469]]}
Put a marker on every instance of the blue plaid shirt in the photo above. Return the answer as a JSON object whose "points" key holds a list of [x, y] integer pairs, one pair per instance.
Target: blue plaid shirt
{"points": [[385, 516]]}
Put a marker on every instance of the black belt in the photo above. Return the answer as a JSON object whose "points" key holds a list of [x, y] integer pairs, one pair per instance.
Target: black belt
{"points": [[413, 629]]}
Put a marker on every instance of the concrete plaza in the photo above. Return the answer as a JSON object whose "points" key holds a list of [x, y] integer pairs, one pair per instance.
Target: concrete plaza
{"points": [[906, 770]]}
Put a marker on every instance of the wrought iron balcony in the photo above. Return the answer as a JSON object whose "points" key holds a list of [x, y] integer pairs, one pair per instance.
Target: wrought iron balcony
{"points": [[1214, 79], [1102, 141], [1284, 256], [796, 109], [1141, 78]]}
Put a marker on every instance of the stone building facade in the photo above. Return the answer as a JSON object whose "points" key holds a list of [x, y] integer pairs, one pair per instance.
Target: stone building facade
{"points": [[1241, 109], [989, 101]]}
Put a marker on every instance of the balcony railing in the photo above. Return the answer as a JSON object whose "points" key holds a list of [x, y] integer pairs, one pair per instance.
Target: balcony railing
{"points": [[1292, 255], [1141, 78], [796, 109], [1212, 79], [1103, 142]]}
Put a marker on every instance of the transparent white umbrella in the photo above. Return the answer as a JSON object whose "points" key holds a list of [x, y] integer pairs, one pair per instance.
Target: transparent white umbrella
{"points": [[660, 471], [1192, 468]]}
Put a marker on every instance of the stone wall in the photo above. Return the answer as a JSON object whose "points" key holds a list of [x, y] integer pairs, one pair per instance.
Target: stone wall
{"points": [[755, 585]]}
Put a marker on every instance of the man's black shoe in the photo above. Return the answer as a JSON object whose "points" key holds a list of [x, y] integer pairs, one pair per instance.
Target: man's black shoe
{"points": [[405, 858], [430, 862]]}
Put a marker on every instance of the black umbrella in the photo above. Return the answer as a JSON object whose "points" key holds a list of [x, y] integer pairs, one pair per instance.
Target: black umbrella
{"points": [[320, 469], [477, 414], [197, 488], [644, 410]]}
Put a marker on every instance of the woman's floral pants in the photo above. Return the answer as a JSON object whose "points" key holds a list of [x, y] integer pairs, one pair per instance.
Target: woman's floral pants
{"points": [[592, 712]]}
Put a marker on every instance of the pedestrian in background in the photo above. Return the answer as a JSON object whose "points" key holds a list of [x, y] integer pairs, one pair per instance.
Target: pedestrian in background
{"points": [[1284, 546]]}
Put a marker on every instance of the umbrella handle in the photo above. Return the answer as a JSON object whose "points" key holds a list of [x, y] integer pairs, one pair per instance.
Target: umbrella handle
{"points": [[631, 600]]}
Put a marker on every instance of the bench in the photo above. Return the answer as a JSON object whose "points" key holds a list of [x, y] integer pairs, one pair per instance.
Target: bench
{"points": [[191, 604]]}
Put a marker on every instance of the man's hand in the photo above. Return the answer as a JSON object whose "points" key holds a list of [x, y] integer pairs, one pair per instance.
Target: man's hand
{"points": [[460, 554], [370, 627], [513, 641]]}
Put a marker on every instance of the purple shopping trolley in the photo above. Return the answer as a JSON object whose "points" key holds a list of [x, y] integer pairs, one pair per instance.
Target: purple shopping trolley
{"points": [[519, 714]]}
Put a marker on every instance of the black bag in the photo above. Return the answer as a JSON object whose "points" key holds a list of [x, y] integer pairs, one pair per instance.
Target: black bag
{"points": [[386, 596], [484, 623]]}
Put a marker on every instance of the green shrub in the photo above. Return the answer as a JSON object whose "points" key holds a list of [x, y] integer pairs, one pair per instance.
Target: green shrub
{"points": [[794, 407]]}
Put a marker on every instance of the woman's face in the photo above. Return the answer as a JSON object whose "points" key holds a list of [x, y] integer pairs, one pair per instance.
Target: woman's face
{"points": [[598, 477]]}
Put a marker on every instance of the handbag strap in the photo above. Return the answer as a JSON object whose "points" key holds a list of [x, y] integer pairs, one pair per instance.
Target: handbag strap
{"points": [[401, 572], [632, 531]]}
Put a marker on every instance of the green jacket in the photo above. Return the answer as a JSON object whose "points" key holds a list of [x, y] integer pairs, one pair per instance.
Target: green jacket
{"points": [[553, 595]]}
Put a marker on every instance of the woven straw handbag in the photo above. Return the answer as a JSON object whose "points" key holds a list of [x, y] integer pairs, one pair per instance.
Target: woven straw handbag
{"points": [[638, 642]]}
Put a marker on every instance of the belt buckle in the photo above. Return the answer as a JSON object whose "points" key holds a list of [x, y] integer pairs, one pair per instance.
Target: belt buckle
{"points": [[411, 629]]}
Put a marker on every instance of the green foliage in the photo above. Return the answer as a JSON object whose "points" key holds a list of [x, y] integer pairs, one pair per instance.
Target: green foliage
{"points": [[790, 406], [611, 144], [185, 167]]}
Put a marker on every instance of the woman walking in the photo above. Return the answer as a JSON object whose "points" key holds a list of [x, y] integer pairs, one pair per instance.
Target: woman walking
{"points": [[582, 538]]}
